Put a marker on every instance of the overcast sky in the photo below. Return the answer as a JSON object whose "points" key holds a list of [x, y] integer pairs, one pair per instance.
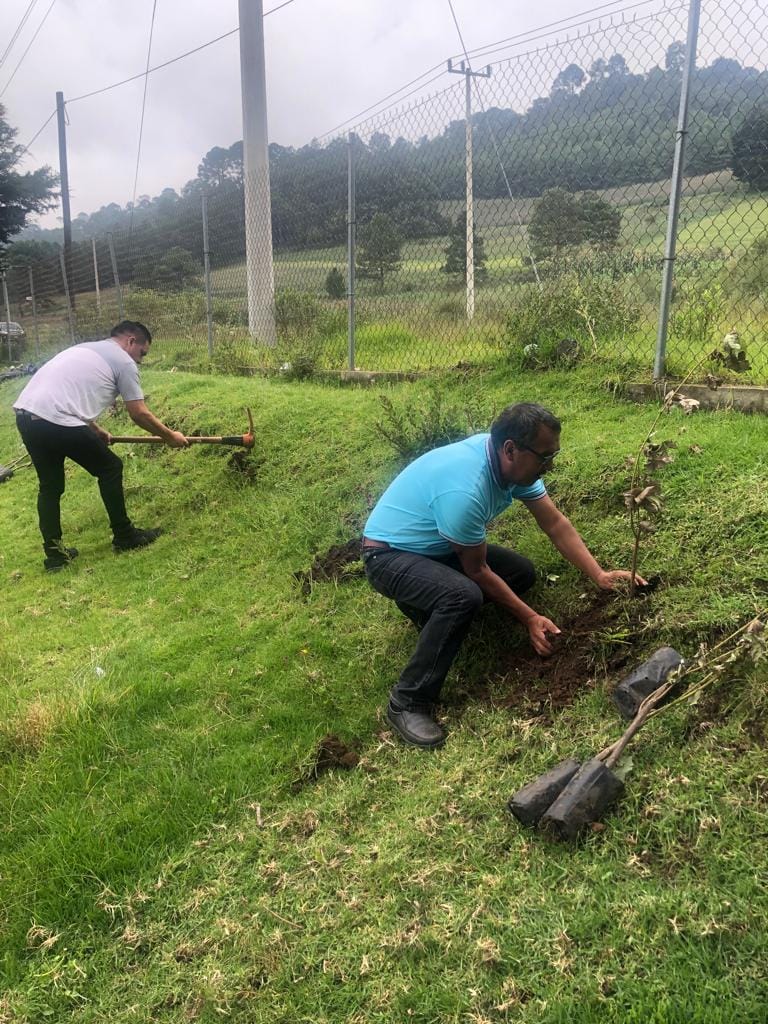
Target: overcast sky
{"points": [[327, 60]]}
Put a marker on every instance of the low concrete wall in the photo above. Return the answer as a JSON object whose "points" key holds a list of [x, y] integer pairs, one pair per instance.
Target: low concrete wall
{"points": [[727, 396]]}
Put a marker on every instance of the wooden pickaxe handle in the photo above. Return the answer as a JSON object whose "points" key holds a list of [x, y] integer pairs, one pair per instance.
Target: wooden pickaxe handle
{"points": [[242, 440], [245, 440]]}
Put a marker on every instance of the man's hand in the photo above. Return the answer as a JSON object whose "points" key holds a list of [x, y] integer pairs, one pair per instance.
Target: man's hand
{"points": [[538, 628], [102, 434], [617, 578], [177, 440]]}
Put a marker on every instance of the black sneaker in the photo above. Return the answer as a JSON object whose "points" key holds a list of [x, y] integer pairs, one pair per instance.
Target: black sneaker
{"points": [[135, 539], [59, 558], [417, 727]]}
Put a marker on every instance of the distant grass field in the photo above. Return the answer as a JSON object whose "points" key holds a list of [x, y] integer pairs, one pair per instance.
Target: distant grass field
{"points": [[416, 319], [167, 853]]}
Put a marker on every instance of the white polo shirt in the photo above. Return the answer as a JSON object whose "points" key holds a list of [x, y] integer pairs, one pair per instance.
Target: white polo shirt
{"points": [[78, 384]]}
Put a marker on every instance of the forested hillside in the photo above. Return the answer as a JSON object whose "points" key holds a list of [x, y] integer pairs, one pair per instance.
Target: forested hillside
{"points": [[599, 127]]}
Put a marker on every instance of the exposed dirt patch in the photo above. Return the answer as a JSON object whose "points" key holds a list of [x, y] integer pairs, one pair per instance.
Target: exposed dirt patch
{"points": [[244, 464], [339, 563], [598, 639], [331, 752]]}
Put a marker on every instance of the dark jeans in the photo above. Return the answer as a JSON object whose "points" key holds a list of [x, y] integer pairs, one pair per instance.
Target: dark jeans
{"points": [[48, 445], [436, 595]]}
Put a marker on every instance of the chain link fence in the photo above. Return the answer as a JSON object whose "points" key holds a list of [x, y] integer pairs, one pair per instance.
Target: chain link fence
{"points": [[568, 170]]}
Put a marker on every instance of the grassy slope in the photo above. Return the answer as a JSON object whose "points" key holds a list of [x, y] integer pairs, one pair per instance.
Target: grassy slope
{"points": [[157, 707]]}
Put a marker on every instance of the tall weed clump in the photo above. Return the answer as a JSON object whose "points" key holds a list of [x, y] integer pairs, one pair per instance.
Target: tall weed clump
{"points": [[430, 419], [585, 311], [305, 326], [748, 275]]}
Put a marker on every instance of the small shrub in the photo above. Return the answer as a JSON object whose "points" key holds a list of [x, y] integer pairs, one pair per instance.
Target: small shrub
{"points": [[296, 311], [579, 311], [298, 358], [335, 285], [696, 315], [429, 421], [235, 359], [748, 276], [231, 313]]}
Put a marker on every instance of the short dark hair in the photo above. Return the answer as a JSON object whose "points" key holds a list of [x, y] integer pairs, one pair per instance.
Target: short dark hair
{"points": [[131, 327], [520, 423]]}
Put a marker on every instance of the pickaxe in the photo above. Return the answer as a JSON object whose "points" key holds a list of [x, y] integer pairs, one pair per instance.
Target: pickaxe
{"points": [[244, 440]]}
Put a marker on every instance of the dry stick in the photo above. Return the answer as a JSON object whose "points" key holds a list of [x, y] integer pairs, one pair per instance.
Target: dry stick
{"points": [[634, 523], [647, 709], [612, 753]]}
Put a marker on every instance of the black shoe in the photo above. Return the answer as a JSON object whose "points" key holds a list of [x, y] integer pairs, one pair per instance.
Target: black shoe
{"points": [[135, 539], [417, 727], [59, 558]]}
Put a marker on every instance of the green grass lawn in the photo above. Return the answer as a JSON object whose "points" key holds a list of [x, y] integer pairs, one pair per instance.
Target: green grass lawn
{"points": [[166, 853]]}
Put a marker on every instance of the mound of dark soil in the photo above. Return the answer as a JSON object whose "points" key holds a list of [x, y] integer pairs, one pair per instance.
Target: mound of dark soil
{"points": [[597, 640], [338, 563]]}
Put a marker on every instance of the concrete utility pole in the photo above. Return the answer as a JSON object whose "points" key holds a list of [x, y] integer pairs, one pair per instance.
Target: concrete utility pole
{"points": [[469, 74], [258, 206], [64, 177]]}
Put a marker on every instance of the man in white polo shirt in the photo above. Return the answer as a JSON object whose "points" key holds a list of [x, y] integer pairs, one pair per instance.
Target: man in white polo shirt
{"points": [[56, 415]]}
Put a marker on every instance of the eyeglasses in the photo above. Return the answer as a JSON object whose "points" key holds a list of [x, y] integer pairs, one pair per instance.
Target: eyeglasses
{"points": [[544, 458]]}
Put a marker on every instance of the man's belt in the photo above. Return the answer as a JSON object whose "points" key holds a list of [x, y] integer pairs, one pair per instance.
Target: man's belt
{"points": [[375, 545], [22, 414]]}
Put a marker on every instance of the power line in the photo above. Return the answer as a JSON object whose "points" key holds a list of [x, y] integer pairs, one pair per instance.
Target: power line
{"points": [[39, 130], [543, 29], [34, 37], [167, 63], [157, 67], [496, 151], [487, 48], [143, 108], [278, 8], [16, 34], [143, 74], [349, 120]]}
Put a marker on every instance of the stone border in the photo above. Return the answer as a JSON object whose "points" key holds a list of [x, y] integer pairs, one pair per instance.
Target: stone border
{"points": [[741, 397]]}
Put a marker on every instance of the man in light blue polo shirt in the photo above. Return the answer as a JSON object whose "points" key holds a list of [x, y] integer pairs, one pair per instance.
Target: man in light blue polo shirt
{"points": [[424, 546]]}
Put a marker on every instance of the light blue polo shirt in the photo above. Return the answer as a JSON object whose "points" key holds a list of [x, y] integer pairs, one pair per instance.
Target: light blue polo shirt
{"points": [[452, 493]]}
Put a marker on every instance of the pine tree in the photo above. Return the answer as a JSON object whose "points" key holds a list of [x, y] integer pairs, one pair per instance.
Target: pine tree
{"points": [[334, 284], [380, 245], [456, 250]]}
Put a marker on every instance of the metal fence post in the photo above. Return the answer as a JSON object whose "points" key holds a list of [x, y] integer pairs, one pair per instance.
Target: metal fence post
{"points": [[67, 296], [694, 12], [34, 312], [7, 317], [115, 274], [207, 266], [96, 276], [351, 249]]}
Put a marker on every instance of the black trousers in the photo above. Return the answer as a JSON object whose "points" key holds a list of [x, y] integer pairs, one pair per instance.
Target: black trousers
{"points": [[48, 445], [436, 595]]}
